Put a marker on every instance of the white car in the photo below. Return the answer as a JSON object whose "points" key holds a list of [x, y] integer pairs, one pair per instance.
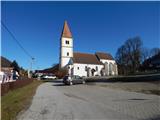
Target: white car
{"points": [[49, 77]]}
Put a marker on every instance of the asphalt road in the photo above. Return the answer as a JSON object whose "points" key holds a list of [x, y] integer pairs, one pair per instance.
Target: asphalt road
{"points": [[53, 101]]}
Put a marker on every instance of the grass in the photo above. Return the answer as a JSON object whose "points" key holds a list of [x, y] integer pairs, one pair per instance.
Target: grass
{"points": [[148, 84], [15, 101], [155, 92], [147, 88]]}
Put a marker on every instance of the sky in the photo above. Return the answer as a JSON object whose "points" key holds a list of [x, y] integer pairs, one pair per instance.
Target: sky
{"points": [[95, 26]]}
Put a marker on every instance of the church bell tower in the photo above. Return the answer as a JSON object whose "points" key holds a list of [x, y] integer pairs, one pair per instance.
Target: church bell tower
{"points": [[66, 46]]}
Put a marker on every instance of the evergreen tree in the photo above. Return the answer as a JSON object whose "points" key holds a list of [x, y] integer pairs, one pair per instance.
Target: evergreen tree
{"points": [[15, 65]]}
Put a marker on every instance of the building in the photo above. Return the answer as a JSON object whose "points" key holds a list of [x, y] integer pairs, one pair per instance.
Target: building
{"points": [[6, 70], [83, 64]]}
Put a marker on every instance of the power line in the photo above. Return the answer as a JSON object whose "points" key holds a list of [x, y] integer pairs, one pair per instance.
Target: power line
{"points": [[14, 38]]}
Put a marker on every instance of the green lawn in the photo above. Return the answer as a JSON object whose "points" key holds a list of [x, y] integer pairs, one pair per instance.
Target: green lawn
{"points": [[15, 101]]}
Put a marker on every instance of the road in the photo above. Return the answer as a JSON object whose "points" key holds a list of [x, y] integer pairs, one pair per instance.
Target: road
{"points": [[53, 101]]}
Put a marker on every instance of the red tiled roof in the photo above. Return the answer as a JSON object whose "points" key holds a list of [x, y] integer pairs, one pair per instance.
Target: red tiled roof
{"points": [[106, 56], [66, 31], [5, 62], [85, 58]]}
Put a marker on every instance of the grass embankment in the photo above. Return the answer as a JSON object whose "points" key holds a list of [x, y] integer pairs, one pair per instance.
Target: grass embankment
{"points": [[142, 87], [149, 84], [15, 101]]}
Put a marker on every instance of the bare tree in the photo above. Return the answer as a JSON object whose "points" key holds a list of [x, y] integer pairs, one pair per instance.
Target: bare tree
{"points": [[154, 51], [129, 56], [145, 54]]}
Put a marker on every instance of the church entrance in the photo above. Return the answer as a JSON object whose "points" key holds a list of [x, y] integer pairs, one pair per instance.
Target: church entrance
{"points": [[92, 72]]}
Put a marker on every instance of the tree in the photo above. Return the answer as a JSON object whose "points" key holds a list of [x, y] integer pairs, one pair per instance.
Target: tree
{"points": [[121, 59], [15, 65], [129, 56], [61, 73], [145, 54], [154, 51], [23, 72]]}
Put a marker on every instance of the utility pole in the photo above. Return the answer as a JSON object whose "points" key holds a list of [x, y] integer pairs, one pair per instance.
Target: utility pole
{"points": [[30, 69]]}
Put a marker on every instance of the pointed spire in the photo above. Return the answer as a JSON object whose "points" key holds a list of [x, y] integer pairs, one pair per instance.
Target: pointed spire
{"points": [[66, 31]]}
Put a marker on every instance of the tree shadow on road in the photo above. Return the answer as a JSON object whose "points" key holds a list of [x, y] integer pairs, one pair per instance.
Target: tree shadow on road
{"points": [[154, 118], [59, 84], [56, 82], [53, 81]]}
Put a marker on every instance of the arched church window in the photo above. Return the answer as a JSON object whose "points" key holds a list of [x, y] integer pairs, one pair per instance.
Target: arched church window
{"points": [[67, 53]]}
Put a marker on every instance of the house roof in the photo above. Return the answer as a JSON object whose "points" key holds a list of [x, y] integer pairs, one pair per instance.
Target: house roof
{"points": [[66, 31], [5, 62], [106, 56], [85, 58]]}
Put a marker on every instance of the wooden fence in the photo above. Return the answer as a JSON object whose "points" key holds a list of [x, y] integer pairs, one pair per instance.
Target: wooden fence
{"points": [[6, 87]]}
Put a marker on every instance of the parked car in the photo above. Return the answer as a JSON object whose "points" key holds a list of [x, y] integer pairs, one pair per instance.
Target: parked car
{"points": [[48, 77], [68, 80]]}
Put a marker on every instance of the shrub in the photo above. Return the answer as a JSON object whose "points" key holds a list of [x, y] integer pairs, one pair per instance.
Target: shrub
{"points": [[61, 73]]}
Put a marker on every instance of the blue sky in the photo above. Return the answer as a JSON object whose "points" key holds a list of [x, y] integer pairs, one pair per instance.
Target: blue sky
{"points": [[95, 26]]}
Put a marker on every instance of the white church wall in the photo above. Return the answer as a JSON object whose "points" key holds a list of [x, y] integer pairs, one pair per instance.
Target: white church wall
{"points": [[64, 61], [97, 72], [109, 61], [80, 69]]}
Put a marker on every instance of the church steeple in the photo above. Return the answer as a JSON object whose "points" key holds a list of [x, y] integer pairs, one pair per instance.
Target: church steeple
{"points": [[66, 31], [66, 46]]}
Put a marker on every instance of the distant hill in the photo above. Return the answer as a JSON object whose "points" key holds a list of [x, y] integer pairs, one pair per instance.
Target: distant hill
{"points": [[50, 70], [54, 70], [5, 62]]}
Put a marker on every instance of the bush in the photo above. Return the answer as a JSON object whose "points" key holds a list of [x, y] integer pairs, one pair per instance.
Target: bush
{"points": [[61, 73]]}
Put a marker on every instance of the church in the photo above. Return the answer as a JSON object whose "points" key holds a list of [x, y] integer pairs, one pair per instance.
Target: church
{"points": [[84, 64]]}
